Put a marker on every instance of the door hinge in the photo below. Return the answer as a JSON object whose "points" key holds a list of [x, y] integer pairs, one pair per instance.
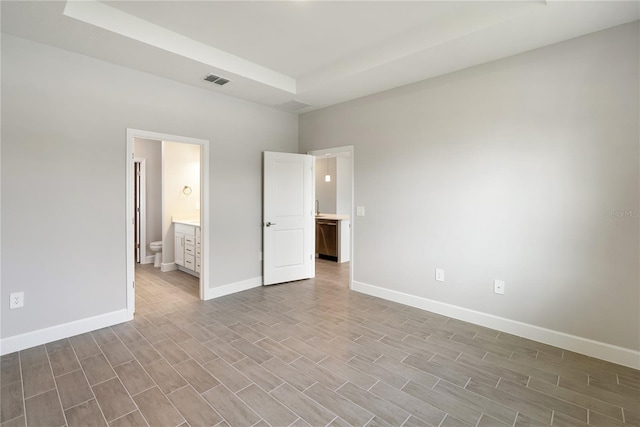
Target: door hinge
{"points": [[138, 245], [134, 284]]}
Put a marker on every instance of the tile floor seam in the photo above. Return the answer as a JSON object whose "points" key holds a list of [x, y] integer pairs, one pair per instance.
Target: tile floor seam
{"points": [[84, 374], [42, 392], [24, 400], [26, 420], [330, 422], [128, 413], [249, 406], [295, 420]]}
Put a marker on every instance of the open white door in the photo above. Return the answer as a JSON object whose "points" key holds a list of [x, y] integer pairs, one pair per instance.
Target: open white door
{"points": [[288, 218]]}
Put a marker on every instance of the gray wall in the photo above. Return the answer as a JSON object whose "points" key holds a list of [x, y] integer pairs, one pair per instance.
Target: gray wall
{"points": [[151, 151], [64, 118], [521, 170]]}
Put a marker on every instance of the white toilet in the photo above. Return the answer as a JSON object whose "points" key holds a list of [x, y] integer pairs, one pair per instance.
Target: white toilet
{"points": [[156, 247]]}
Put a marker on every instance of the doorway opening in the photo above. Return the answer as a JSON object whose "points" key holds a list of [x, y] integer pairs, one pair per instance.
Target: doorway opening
{"points": [[167, 209], [335, 210]]}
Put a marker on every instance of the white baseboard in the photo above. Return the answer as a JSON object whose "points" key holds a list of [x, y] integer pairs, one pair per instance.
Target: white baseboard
{"points": [[149, 259], [66, 330], [168, 266], [600, 350], [232, 288], [188, 271]]}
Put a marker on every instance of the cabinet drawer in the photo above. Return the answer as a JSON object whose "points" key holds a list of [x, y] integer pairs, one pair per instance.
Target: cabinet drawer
{"points": [[189, 262], [190, 240], [189, 250]]}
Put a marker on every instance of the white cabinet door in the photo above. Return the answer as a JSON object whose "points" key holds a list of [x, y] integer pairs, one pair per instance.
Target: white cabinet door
{"points": [[179, 249], [288, 217]]}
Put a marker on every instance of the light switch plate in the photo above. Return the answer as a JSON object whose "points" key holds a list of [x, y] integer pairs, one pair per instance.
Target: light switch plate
{"points": [[498, 287], [360, 211]]}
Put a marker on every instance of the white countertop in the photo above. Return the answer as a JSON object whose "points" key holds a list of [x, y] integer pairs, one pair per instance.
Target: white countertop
{"points": [[333, 216], [194, 222]]}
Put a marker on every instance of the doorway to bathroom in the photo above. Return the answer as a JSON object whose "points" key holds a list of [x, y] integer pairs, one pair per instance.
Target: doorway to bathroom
{"points": [[167, 205], [334, 191]]}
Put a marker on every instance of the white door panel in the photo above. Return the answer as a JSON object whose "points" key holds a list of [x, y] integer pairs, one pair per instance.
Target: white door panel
{"points": [[288, 217], [286, 244]]}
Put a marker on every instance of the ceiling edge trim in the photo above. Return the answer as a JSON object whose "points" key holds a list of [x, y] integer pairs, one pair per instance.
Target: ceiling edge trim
{"points": [[124, 24]]}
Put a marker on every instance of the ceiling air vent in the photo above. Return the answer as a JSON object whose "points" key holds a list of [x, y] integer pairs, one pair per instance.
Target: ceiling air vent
{"points": [[293, 105], [216, 79]]}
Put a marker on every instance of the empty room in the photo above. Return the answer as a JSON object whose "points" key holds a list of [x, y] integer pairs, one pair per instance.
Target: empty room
{"points": [[320, 213]]}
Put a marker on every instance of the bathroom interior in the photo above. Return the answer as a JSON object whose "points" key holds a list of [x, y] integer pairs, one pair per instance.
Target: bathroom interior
{"points": [[168, 231]]}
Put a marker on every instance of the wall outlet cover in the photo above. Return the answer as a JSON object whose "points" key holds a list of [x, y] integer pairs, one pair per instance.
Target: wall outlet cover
{"points": [[359, 210], [439, 275], [16, 300], [498, 287]]}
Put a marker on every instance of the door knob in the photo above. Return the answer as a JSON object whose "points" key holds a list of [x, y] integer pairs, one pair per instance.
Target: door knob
{"points": [[269, 224]]}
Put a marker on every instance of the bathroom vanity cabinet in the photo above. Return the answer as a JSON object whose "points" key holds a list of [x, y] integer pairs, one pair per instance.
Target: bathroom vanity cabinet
{"points": [[187, 248]]}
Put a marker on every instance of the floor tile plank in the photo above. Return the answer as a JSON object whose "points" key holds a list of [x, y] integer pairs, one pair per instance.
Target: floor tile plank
{"points": [[345, 409], [157, 409], [233, 410], [193, 408], [113, 399], [87, 414], [304, 407], [266, 406]]}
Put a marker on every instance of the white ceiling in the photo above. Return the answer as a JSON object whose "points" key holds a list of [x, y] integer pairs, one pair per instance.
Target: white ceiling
{"points": [[317, 52]]}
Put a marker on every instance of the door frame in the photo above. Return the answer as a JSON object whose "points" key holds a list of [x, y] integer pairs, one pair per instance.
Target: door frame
{"points": [[142, 194], [351, 150], [129, 214]]}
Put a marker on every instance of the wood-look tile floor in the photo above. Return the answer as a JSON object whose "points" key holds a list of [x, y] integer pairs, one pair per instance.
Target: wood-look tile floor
{"points": [[305, 353]]}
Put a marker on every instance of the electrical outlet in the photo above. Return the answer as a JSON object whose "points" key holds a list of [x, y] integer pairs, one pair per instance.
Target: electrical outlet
{"points": [[16, 300], [439, 275], [498, 287]]}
